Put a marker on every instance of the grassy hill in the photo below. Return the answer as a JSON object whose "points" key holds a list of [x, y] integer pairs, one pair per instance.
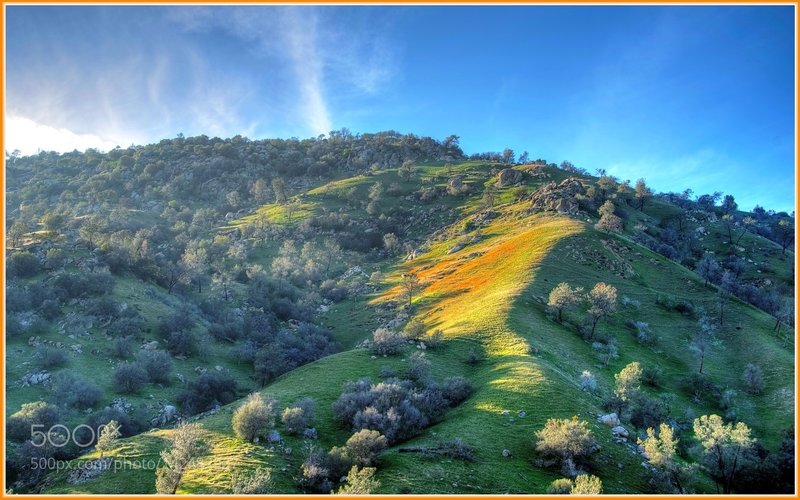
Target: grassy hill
{"points": [[484, 279]]}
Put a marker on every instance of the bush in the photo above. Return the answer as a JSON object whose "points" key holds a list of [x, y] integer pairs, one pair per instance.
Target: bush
{"points": [[17, 299], [414, 329], [472, 358], [588, 381], [299, 416], [435, 340], [567, 439], [397, 409], [18, 425], [128, 424], [315, 473], [419, 368], [364, 447], [643, 334], [181, 343], [73, 391], [360, 482], [456, 389], [753, 379], [254, 418], [208, 390], [386, 342], [123, 348], [23, 265], [258, 482], [103, 307], [561, 486], [652, 375], [131, 326], [51, 358], [178, 321], [129, 378], [157, 364]]}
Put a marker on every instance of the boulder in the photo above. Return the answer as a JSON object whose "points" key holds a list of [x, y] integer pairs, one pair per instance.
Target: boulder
{"points": [[274, 436], [456, 184], [611, 420], [506, 453], [509, 177], [620, 431]]}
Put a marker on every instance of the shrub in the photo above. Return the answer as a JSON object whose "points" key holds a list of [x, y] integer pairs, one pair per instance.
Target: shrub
{"points": [[414, 329], [123, 348], [208, 390], [181, 343], [561, 486], [129, 378], [315, 473], [419, 368], [435, 340], [588, 381], [257, 482], [157, 364], [17, 299], [586, 484], [23, 265], [360, 482], [130, 326], [753, 379], [50, 309], [178, 321], [643, 334], [103, 307], [299, 416], [51, 358], [254, 417], [472, 358], [566, 439], [386, 342], [456, 389], [652, 375], [19, 424], [364, 447], [74, 391]]}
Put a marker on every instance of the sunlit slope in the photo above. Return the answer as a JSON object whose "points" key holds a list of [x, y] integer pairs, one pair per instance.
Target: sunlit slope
{"points": [[490, 297]]}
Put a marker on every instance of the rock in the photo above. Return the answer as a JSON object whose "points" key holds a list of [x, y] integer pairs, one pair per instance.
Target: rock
{"points": [[274, 436], [611, 420], [508, 177], [287, 451], [455, 249], [35, 378], [150, 346], [122, 404], [506, 413], [506, 453], [455, 184], [620, 431], [558, 197], [310, 433], [521, 413], [89, 470], [218, 368]]}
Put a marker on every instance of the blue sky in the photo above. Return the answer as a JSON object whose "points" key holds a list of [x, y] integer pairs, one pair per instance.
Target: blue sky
{"points": [[684, 96]]}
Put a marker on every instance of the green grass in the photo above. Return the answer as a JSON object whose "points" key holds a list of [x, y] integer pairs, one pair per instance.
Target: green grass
{"points": [[489, 297]]}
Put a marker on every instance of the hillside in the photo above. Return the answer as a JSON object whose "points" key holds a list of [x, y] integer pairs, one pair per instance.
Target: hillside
{"points": [[487, 244]]}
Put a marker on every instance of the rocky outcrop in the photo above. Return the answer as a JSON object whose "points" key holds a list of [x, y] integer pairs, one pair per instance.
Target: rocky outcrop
{"points": [[561, 198], [509, 177]]}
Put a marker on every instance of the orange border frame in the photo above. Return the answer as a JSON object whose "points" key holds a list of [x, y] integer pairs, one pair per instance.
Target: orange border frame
{"points": [[795, 3]]}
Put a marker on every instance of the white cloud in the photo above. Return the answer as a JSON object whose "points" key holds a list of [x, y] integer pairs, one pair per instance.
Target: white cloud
{"points": [[29, 137]]}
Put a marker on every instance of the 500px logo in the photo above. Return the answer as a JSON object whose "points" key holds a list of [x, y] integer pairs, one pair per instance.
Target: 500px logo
{"points": [[60, 435]]}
